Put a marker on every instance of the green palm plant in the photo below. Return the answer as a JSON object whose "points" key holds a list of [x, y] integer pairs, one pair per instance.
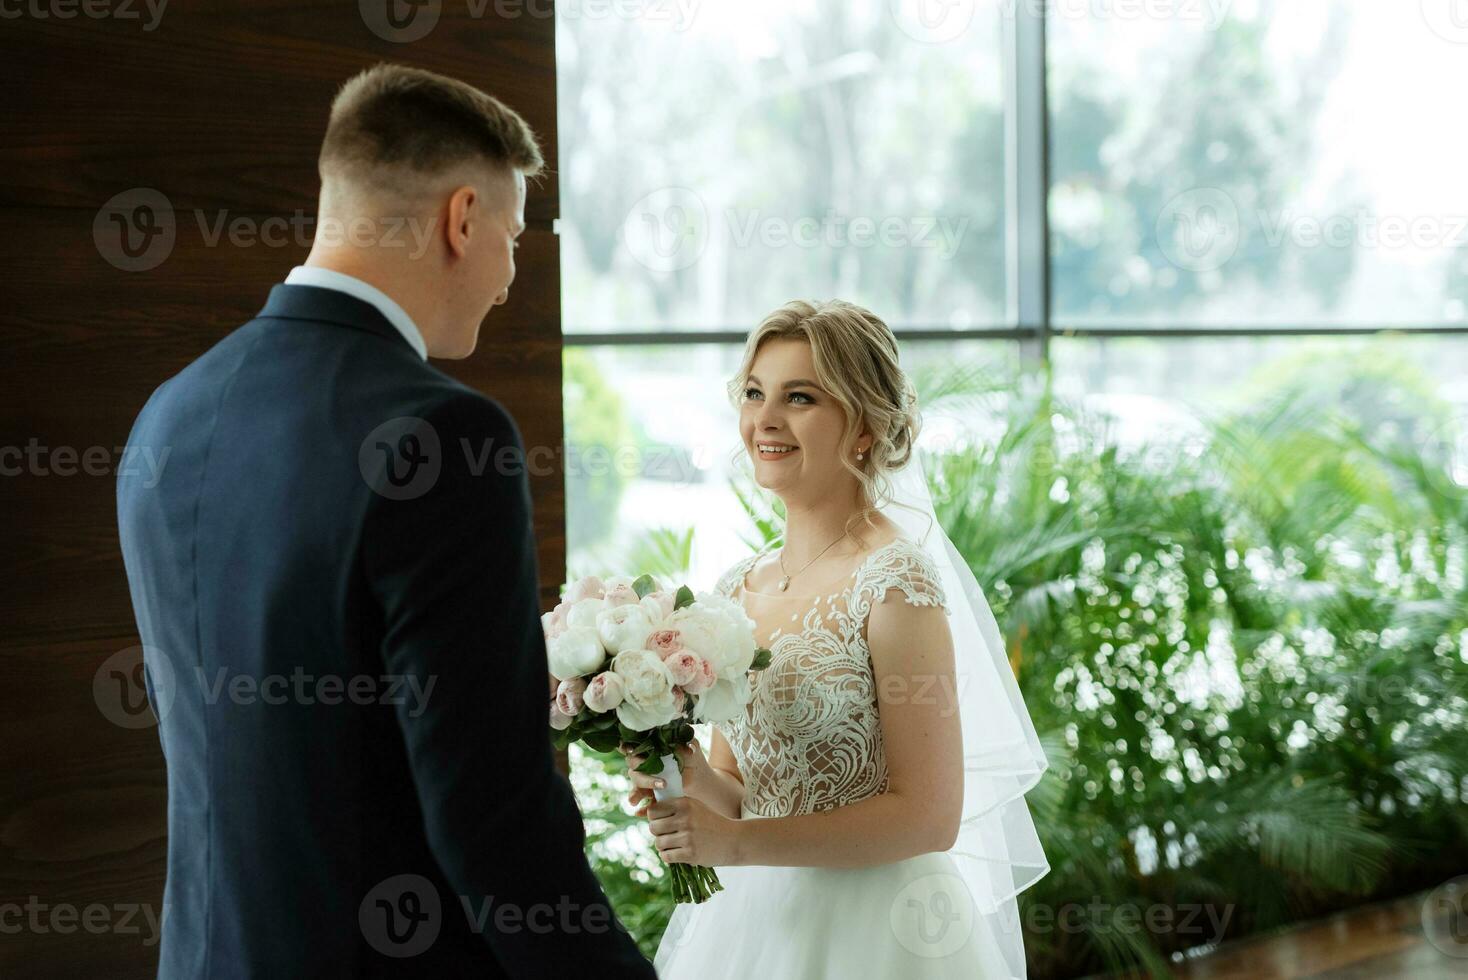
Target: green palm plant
{"points": [[1112, 569]]}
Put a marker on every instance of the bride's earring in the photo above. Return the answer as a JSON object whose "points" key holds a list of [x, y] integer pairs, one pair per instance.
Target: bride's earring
{"points": [[858, 455]]}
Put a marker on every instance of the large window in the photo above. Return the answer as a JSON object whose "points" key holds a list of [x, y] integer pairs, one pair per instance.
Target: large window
{"points": [[1286, 164], [1160, 199], [715, 167]]}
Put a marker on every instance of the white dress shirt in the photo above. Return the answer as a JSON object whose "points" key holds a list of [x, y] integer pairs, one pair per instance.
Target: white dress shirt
{"points": [[307, 275]]}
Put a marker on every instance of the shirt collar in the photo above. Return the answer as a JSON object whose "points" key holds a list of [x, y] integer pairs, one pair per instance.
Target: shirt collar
{"points": [[310, 275]]}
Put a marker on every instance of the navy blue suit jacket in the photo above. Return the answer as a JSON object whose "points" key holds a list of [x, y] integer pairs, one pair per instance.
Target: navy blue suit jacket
{"points": [[334, 579]]}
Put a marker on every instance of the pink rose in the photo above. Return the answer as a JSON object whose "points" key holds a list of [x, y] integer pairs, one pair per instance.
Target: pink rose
{"points": [[570, 696], [589, 587], [690, 671], [665, 642], [707, 677], [621, 595], [679, 698], [683, 665], [604, 692], [559, 720]]}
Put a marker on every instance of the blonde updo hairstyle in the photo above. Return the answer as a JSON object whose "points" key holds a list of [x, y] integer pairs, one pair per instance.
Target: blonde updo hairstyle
{"points": [[856, 360]]}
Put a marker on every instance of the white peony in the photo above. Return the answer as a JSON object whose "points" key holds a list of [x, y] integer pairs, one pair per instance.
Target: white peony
{"points": [[575, 652], [724, 701], [583, 614], [718, 631], [647, 690], [658, 606], [623, 627], [584, 588]]}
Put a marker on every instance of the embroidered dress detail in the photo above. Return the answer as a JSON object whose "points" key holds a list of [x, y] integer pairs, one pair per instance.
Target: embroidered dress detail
{"points": [[811, 739]]}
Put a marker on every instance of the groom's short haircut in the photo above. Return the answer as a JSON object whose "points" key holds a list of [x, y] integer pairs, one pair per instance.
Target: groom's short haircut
{"points": [[392, 126]]}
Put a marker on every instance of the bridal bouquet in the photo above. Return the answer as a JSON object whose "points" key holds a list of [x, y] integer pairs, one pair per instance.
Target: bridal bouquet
{"points": [[640, 664]]}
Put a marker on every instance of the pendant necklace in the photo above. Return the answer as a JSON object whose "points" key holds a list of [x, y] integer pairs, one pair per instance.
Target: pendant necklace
{"points": [[785, 582]]}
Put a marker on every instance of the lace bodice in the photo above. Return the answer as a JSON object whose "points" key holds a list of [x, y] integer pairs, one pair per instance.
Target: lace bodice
{"points": [[810, 738]]}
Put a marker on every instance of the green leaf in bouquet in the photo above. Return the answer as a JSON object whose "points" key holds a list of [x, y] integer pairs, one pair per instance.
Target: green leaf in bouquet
{"points": [[562, 739], [601, 741], [605, 722], [644, 585], [684, 597], [761, 659], [652, 764]]}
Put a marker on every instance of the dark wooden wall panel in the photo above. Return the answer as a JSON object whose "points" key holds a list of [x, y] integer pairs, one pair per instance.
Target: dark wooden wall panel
{"points": [[224, 104], [220, 108]]}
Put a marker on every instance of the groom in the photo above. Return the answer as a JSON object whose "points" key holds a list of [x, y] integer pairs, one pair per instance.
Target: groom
{"points": [[338, 606]]}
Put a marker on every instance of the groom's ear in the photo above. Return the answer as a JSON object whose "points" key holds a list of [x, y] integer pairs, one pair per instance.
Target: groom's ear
{"points": [[462, 206]]}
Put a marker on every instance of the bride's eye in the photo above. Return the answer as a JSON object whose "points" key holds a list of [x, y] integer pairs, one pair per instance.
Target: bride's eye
{"points": [[808, 399], [750, 392]]}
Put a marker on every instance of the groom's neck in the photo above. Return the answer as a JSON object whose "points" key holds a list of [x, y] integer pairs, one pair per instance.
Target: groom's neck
{"points": [[398, 284]]}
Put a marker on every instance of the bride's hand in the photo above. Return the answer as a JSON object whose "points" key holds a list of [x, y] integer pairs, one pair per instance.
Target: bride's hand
{"points": [[686, 831], [696, 776]]}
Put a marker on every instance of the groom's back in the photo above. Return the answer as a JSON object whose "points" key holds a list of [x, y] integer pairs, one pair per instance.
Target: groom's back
{"points": [[290, 792]]}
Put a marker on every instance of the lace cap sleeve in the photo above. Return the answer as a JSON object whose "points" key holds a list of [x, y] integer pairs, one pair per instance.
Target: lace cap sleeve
{"points": [[910, 569], [734, 577]]}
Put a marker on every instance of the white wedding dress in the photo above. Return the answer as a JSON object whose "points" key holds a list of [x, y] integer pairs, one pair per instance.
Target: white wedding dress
{"points": [[810, 740]]}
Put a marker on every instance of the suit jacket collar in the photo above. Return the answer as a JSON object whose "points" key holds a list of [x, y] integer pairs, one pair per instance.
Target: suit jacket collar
{"points": [[315, 303]]}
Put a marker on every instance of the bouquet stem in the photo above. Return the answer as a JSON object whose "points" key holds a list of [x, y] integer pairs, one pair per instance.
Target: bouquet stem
{"points": [[692, 883]]}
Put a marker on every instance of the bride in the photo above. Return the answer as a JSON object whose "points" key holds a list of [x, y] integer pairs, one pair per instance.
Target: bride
{"points": [[866, 814]]}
